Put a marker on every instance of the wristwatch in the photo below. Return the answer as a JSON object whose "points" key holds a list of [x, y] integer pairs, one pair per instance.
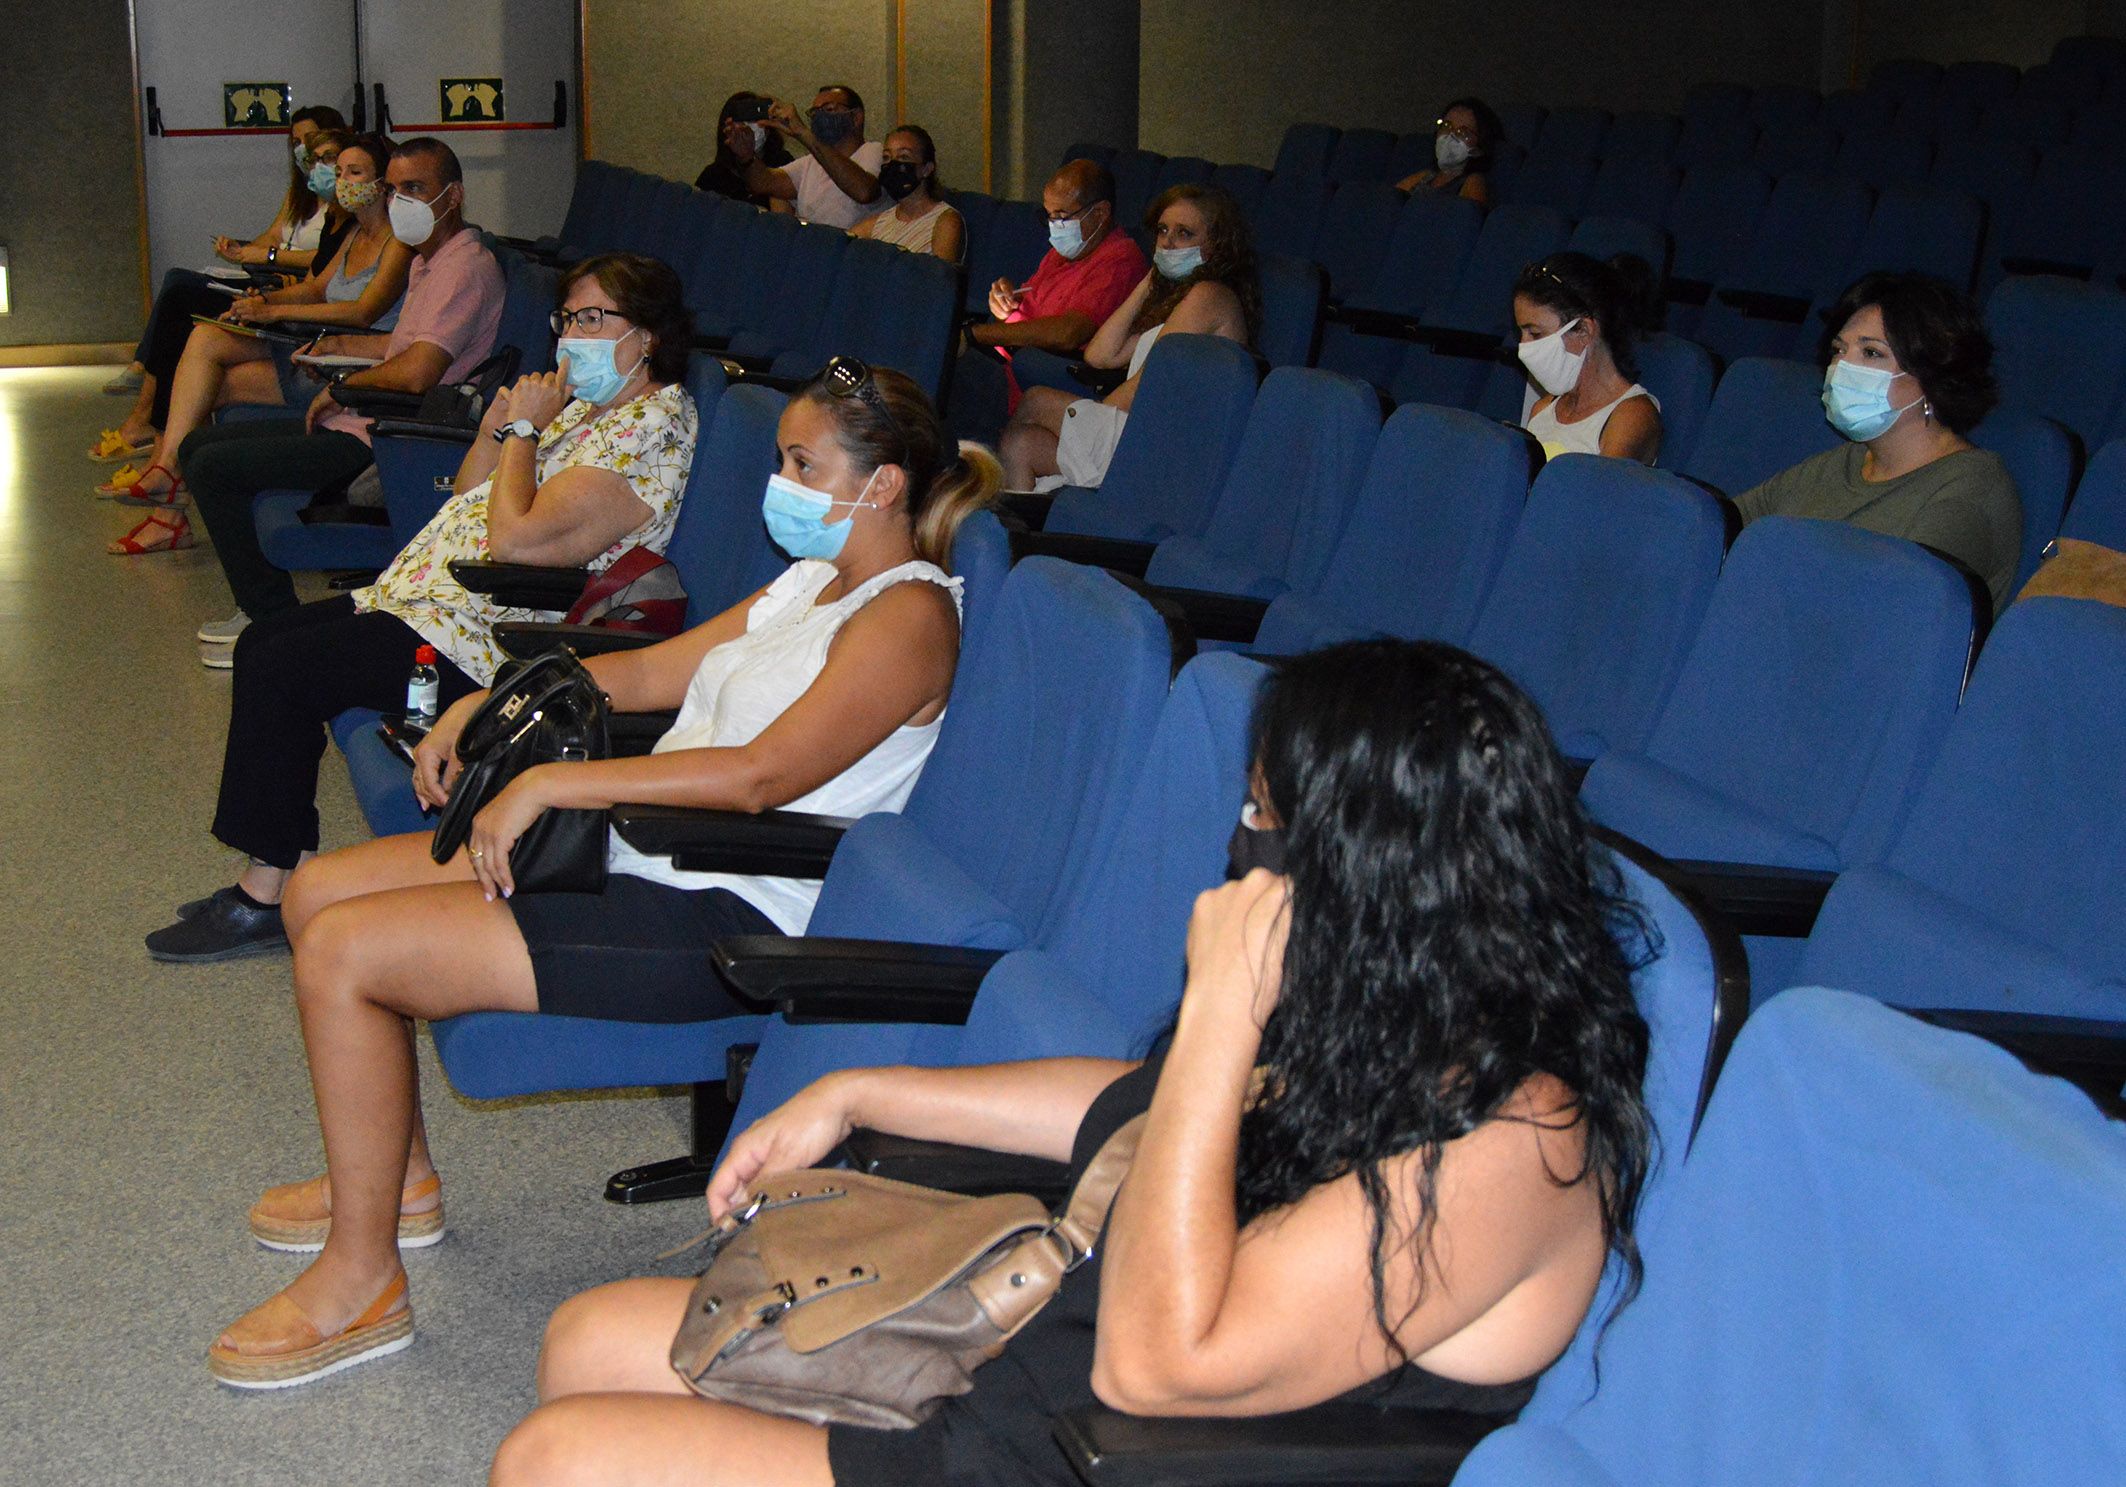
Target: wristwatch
{"points": [[521, 428]]}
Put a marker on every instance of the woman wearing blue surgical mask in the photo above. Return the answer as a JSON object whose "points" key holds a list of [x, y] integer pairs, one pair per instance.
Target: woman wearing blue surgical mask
{"points": [[1908, 373], [1578, 321], [822, 692], [1203, 282], [570, 468]]}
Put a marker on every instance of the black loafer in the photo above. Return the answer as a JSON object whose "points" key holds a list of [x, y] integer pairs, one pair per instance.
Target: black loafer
{"points": [[225, 928]]}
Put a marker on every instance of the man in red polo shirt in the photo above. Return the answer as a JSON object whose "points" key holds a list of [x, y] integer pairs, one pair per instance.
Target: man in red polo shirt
{"points": [[1089, 270]]}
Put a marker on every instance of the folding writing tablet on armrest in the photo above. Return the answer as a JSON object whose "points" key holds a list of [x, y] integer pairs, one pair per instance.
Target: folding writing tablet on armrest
{"points": [[1343, 1443], [1095, 552], [522, 585], [775, 844], [974, 1170], [818, 979], [524, 638]]}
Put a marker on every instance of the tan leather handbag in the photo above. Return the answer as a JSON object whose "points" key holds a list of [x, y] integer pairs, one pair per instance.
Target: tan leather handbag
{"points": [[846, 1299]]}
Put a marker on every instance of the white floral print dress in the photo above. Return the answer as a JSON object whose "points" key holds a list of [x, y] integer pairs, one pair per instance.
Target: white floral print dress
{"points": [[648, 440]]}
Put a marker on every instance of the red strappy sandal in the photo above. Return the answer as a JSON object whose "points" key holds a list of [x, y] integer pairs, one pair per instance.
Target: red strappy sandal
{"points": [[177, 536], [137, 493]]}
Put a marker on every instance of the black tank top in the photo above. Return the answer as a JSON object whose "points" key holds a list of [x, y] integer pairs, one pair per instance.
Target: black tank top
{"points": [[1001, 1432]]}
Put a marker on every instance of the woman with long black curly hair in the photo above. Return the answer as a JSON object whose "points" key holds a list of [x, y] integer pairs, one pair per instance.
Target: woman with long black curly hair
{"points": [[1394, 1134]]}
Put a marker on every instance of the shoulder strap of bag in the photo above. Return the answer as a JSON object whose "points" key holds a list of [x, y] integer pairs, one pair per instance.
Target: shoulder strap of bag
{"points": [[1086, 1213]]}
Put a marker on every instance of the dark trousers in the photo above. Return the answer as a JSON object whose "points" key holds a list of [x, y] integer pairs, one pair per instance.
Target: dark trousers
{"points": [[184, 294], [228, 465], [295, 672]]}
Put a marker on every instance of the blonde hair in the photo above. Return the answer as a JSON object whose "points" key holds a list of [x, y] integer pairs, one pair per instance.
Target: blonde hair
{"points": [[902, 428]]}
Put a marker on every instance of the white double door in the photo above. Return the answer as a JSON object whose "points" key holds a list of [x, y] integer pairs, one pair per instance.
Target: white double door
{"points": [[206, 179]]}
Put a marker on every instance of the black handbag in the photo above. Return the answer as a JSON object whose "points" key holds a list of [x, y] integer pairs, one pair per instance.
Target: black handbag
{"points": [[540, 711]]}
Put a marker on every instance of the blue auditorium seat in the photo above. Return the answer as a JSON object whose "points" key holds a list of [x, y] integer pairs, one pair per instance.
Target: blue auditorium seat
{"points": [[1136, 173], [1857, 113], [1905, 80], [749, 274], [1183, 170], [1766, 416], [793, 313], [1433, 236], [1917, 227], [1680, 374], [2000, 893], [1011, 248], [2041, 457], [1190, 412], [1603, 238], [1287, 494], [2098, 512], [1642, 137], [1599, 596], [1294, 293], [1555, 176], [1576, 132], [2042, 121], [1305, 150], [1440, 500], [1784, 106], [2073, 217], [1800, 256], [1852, 1165], [1104, 975], [1522, 122], [1795, 147], [1355, 232], [2059, 351], [1816, 694], [1478, 309], [1713, 139], [1361, 155], [1245, 183], [1086, 149], [1998, 173], [1286, 216], [1713, 220], [1626, 186]]}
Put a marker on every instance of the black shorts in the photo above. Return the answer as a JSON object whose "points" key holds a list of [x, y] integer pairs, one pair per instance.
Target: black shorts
{"points": [[638, 952]]}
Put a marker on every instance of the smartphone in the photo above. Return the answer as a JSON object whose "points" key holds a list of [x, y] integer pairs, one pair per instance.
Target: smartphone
{"points": [[402, 736], [751, 110]]}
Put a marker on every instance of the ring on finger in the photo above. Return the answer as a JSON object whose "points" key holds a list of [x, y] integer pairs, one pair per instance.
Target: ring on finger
{"points": [[474, 853]]}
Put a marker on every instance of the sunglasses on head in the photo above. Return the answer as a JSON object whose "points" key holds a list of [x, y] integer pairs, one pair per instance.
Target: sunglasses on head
{"points": [[846, 377]]}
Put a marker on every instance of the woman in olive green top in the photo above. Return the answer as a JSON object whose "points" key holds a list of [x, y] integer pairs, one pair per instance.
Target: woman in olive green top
{"points": [[1909, 374]]}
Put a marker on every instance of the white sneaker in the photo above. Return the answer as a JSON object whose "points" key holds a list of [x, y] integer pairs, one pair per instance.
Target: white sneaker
{"points": [[126, 382], [224, 632], [218, 657]]}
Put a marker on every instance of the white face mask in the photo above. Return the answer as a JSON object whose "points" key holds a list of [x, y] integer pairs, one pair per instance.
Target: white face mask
{"points": [[1451, 151], [1555, 370], [760, 137], [412, 222]]}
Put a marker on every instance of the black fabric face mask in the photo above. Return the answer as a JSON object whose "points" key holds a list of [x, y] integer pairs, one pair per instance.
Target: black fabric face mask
{"points": [[899, 178], [1252, 847]]}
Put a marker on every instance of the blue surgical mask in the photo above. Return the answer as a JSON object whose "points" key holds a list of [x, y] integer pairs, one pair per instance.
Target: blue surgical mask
{"points": [[1066, 237], [1177, 263], [303, 157], [592, 374], [830, 126], [1857, 400], [797, 518], [323, 177]]}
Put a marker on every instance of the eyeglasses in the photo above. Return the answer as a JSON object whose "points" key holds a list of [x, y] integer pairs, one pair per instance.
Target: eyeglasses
{"points": [[1466, 136], [846, 377], [590, 319], [1072, 216]]}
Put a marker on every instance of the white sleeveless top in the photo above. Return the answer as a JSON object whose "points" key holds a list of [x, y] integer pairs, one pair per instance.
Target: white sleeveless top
{"points": [[745, 684], [916, 236], [1582, 435]]}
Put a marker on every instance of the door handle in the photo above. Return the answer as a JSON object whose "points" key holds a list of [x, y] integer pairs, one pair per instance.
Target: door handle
{"points": [[560, 104], [154, 112], [383, 110]]}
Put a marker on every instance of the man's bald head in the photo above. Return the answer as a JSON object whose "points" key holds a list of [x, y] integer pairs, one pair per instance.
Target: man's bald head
{"points": [[1084, 181]]}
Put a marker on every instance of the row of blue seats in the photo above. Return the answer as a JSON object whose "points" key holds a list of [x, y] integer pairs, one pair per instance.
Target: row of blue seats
{"points": [[776, 295]]}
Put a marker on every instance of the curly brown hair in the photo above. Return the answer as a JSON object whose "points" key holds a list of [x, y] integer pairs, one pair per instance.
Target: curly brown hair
{"points": [[649, 294], [1228, 257]]}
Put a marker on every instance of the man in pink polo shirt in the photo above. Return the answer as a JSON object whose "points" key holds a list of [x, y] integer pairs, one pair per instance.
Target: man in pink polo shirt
{"points": [[1089, 270], [446, 326]]}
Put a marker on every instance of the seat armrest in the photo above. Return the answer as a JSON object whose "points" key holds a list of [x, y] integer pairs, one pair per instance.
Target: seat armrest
{"points": [[1031, 508], [633, 735], [1347, 1444], [376, 402], [773, 844], [1102, 380], [521, 639], [414, 428], [1475, 345], [820, 979], [1094, 552], [522, 585], [1385, 323], [2083, 1051], [1778, 901], [2054, 266], [744, 364], [1788, 309], [1214, 616], [974, 1170]]}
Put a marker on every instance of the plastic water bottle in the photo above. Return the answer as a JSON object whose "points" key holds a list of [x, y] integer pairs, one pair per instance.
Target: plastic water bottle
{"points": [[422, 687]]}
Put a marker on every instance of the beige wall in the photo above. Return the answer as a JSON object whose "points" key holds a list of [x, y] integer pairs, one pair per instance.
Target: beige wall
{"points": [[1223, 77], [658, 72]]}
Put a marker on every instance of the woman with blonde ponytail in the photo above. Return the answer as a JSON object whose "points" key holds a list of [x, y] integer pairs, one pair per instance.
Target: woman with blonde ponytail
{"points": [[822, 692]]}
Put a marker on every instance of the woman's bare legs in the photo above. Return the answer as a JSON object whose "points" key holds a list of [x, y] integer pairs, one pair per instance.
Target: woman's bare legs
{"points": [[613, 1411], [1028, 446], [210, 358], [138, 423], [382, 935]]}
